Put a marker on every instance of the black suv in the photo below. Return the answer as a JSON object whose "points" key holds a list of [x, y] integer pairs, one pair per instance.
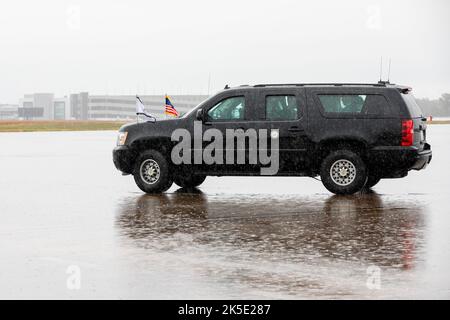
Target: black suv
{"points": [[351, 135]]}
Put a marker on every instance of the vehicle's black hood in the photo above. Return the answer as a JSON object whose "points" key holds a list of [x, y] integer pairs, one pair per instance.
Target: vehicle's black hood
{"points": [[148, 128]]}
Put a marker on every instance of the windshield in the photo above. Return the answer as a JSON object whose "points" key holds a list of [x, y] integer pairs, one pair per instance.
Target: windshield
{"points": [[187, 114]]}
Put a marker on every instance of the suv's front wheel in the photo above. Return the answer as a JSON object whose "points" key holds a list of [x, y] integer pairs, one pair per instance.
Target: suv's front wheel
{"points": [[151, 172], [343, 172]]}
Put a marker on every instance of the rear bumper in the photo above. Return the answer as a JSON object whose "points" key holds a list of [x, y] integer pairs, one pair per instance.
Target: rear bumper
{"points": [[123, 158], [422, 158], [397, 161]]}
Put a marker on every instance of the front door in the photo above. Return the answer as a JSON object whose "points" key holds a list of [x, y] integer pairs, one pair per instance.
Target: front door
{"points": [[231, 114]]}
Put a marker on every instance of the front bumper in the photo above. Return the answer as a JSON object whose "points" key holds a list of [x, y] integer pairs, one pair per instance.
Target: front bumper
{"points": [[123, 158]]}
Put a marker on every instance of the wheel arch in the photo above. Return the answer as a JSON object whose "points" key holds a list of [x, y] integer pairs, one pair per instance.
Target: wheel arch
{"points": [[325, 147], [160, 144]]}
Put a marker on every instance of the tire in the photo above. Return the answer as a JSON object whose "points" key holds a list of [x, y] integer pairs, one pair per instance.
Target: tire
{"points": [[372, 180], [151, 172], [351, 179], [189, 181]]}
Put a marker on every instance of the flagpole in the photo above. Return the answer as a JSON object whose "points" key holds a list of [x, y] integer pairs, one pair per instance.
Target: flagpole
{"points": [[140, 110], [137, 114]]}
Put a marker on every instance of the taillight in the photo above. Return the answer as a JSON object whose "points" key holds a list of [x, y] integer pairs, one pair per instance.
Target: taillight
{"points": [[407, 133]]}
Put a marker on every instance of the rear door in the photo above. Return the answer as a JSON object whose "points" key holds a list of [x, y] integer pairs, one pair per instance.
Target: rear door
{"points": [[284, 109], [420, 122]]}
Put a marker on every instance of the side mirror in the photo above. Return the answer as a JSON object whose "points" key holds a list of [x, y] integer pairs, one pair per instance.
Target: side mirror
{"points": [[200, 115]]}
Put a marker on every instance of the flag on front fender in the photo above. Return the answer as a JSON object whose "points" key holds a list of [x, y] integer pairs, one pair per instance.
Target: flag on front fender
{"points": [[170, 109], [140, 108]]}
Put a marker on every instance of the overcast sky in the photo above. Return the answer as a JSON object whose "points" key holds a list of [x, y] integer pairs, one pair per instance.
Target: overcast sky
{"points": [[152, 47]]}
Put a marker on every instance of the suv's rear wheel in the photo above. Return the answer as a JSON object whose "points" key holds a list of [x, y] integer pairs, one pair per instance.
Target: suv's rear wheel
{"points": [[151, 172], [189, 180], [343, 172]]}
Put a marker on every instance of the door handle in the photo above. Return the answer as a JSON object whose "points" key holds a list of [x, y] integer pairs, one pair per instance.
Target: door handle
{"points": [[295, 129]]}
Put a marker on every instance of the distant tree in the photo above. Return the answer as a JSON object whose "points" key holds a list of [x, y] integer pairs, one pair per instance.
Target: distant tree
{"points": [[437, 107], [445, 102]]}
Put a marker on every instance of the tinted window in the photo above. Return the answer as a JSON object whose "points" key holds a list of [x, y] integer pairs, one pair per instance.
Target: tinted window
{"points": [[346, 103], [228, 109], [413, 107], [281, 108], [376, 105]]}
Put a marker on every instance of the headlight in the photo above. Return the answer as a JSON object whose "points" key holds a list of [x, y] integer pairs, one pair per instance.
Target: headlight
{"points": [[121, 138]]}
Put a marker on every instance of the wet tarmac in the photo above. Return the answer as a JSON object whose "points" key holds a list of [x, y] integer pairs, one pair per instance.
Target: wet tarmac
{"points": [[72, 227]]}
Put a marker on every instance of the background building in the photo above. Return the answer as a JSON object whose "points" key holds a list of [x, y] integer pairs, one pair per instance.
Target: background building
{"points": [[123, 107], [43, 106], [61, 109], [82, 106], [9, 111], [79, 106]]}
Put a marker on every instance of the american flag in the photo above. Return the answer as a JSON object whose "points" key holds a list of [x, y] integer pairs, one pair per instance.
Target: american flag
{"points": [[170, 109]]}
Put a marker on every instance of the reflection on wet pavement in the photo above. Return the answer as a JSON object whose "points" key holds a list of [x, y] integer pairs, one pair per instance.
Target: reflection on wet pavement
{"points": [[240, 238], [281, 243]]}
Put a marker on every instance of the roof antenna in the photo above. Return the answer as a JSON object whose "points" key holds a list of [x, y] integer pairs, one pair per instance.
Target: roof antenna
{"points": [[381, 69], [389, 70]]}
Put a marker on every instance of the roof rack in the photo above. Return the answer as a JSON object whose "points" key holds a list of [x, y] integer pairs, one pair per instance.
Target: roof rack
{"points": [[379, 84]]}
